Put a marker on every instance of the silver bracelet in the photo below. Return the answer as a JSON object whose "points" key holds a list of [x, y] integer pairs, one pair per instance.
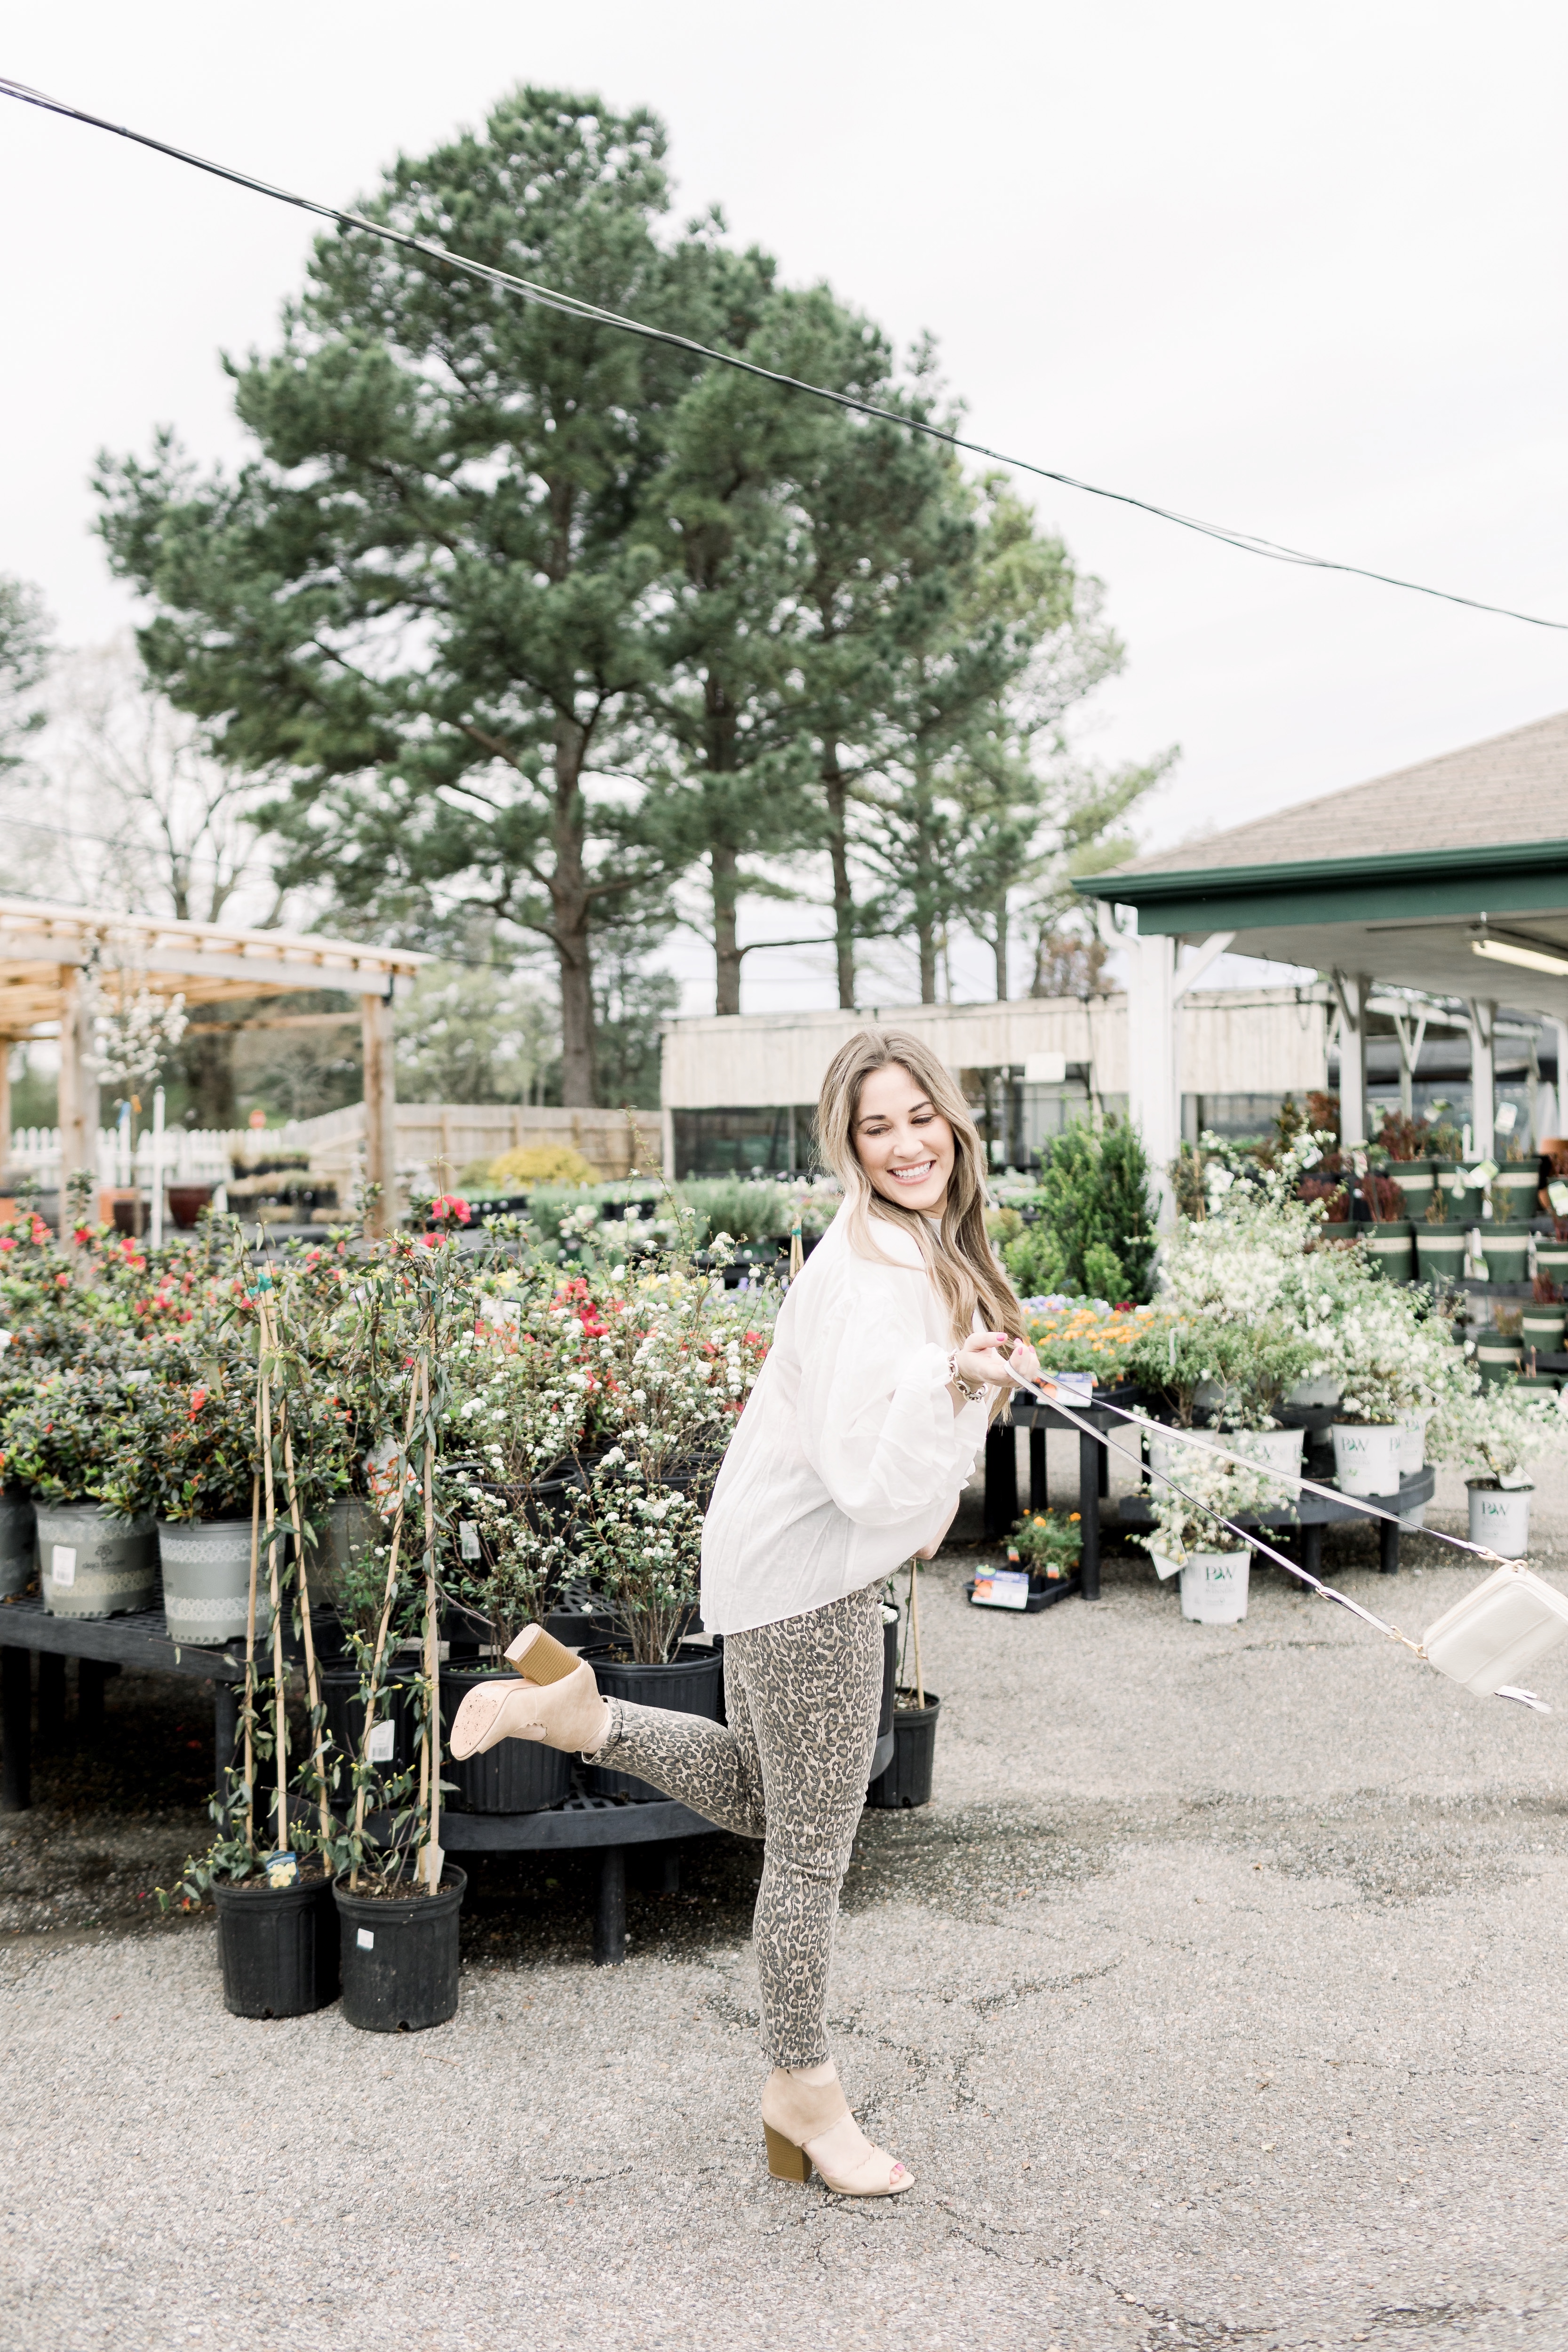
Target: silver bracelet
{"points": [[971, 1392]]}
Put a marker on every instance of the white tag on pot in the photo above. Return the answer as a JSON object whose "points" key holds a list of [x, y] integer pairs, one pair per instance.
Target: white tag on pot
{"points": [[62, 1565], [366, 1940], [1075, 1387], [468, 1539], [383, 1742]]}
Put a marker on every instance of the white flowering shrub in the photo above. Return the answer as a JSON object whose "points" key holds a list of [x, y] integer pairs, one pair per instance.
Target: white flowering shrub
{"points": [[1499, 1432], [1212, 1491]]}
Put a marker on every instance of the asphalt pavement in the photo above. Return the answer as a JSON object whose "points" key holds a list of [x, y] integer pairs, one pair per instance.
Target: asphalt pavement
{"points": [[1218, 1999]]}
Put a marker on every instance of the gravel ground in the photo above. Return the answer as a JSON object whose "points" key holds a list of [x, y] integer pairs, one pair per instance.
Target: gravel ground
{"points": [[1218, 1999]]}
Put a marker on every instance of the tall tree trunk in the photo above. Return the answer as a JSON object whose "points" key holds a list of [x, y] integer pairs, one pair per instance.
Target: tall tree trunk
{"points": [[570, 909], [837, 793], [723, 866], [1000, 949], [206, 1053], [926, 934]]}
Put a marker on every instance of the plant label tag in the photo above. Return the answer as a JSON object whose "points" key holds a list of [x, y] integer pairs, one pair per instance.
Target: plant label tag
{"points": [[282, 1869], [1076, 1387], [468, 1539], [1005, 1588], [365, 1940], [62, 1565], [383, 1742]]}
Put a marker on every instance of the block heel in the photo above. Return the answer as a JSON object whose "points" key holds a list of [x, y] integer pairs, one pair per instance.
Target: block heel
{"points": [[786, 2161]]}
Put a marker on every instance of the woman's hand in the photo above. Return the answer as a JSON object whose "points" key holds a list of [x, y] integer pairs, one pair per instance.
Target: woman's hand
{"points": [[993, 1361]]}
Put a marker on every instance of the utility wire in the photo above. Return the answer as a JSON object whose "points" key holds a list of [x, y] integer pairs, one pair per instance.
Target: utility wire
{"points": [[551, 299]]}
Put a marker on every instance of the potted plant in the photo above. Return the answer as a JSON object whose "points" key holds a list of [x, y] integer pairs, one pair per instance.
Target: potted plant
{"points": [[907, 1780], [183, 1452], [1190, 1539], [59, 1444], [1441, 1243], [1262, 1362], [643, 1545], [1049, 1544], [1498, 1435]]}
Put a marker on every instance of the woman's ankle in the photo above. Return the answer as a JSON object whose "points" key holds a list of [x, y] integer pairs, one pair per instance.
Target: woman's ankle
{"points": [[824, 2072]]}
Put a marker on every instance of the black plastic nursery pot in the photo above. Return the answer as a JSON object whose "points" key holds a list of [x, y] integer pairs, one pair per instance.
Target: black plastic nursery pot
{"points": [[278, 1946], [399, 1955], [395, 1730], [692, 1684], [515, 1776], [907, 1779]]}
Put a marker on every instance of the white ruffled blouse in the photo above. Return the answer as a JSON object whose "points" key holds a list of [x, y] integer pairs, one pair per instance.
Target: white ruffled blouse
{"points": [[848, 1455]]}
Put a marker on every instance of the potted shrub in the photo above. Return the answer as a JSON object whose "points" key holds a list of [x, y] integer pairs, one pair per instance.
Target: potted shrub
{"points": [[1263, 1361], [277, 1929], [1496, 1435], [183, 1452], [1513, 1191], [1189, 1538], [58, 1444], [1441, 1243], [1394, 1356], [1506, 1250], [507, 1575], [1049, 1544], [645, 1546]]}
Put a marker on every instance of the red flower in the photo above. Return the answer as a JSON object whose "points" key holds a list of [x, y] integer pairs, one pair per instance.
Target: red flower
{"points": [[198, 1398], [7, 1241]]}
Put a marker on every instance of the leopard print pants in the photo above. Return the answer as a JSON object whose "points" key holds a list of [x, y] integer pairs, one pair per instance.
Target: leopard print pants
{"points": [[789, 1767]]}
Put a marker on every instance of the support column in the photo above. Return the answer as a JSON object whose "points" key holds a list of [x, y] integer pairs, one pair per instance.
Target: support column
{"points": [[1153, 1081], [1547, 1109], [5, 1046], [1482, 1011], [77, 1089], [1353, 990], [380, 1111]]}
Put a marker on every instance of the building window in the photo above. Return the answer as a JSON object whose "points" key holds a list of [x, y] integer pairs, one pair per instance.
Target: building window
{"points": [[772, 1140]]}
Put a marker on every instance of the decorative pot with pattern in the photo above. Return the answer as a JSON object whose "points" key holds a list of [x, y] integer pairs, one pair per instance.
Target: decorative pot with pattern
{"points": [[92, 1565], [206, 1579]]}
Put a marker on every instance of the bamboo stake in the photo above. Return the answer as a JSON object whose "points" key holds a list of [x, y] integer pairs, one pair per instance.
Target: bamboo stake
{"points": [[280, 1711], [250, 1640], [432, 1857], [312, 1684], [915, 1630], [387, 1599]]}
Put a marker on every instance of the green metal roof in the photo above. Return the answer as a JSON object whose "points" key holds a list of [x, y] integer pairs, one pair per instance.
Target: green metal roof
{"points": [[1506, 877]]}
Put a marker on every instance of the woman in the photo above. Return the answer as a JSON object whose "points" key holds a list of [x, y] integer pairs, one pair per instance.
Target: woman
{"points": [[896, 1343]]}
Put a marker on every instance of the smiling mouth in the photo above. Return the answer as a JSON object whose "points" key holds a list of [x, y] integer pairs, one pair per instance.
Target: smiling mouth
{"points": [[916, 1175]]}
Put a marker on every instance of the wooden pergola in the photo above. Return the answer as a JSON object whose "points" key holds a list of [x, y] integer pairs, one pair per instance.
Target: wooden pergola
{"points": [[48, 953]]}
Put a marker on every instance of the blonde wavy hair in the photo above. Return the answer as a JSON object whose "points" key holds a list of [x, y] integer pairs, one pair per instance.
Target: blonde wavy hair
{"points": [[961, 1261]]}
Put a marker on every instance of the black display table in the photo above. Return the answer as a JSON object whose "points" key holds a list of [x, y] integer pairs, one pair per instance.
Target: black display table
{"points": [[106, 1645], [1312, 1513]]}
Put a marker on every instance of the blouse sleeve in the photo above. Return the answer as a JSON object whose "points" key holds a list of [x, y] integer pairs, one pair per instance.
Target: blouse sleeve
{"points": [[876, 1421]]}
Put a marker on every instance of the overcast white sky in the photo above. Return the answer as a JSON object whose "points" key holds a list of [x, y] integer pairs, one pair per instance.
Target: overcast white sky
{"points": [[1299, 271]]}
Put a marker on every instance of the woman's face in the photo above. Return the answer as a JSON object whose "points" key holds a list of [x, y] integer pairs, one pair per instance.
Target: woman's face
{"points": [[904, 1143]]}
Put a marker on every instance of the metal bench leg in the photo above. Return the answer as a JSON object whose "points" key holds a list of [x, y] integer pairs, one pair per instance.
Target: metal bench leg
{"points": [[1312, 1548], [1001, 1480], [16, 1729], [610, 1918], [655, 1869], [1388, 1547], [1089, 1459], [92, 1674], [1038, 1496], [51, 1698]]}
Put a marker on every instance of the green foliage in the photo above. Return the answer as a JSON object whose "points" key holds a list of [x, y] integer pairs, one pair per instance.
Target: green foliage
{"points": [[1095, 1236], [1051, 1541], [24, 659]]}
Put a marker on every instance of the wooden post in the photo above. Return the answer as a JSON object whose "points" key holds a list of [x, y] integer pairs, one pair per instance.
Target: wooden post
{"points": [[380, 1111], [77, 1090]]}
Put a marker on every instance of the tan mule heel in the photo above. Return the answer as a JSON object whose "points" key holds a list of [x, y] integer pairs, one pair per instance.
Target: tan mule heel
{"points": [[569, 1713], [800, 2119]]}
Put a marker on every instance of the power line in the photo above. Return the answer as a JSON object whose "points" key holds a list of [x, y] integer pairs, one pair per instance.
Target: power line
{"points": [[549, 298]]}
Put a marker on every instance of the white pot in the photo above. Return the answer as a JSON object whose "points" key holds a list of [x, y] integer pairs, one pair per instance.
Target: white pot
{"points": [[1366, 1456], [1411, 1428], [1214, 1587], [1167, 1455], [1323, 1389], [1500, 1518], [1277, 1449]]}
